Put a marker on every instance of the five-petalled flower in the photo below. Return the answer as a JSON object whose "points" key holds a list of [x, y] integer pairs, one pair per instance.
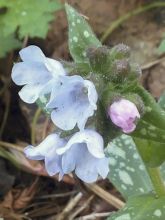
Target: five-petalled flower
{"points": [[39, 75], [74, 103]]}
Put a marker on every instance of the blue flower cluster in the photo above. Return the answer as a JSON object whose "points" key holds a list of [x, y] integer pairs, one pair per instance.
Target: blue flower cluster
{"points": [[72, 101]]}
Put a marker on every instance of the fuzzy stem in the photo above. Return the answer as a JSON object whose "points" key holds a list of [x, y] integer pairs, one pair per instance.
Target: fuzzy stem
{"points": [[34, 122], [130, 14], [157, 181]]}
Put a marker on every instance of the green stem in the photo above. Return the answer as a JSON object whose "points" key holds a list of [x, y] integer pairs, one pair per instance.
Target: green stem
{"points": [[130, 14], [157, 181], [34, 122]]}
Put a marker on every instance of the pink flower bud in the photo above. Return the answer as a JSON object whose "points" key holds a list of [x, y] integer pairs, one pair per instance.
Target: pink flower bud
{"points": [[124, 113]]}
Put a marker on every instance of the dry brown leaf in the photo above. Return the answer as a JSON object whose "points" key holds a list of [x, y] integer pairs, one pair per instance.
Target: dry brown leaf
{"points": [[7, 214], [8, 200], [25, 196]]}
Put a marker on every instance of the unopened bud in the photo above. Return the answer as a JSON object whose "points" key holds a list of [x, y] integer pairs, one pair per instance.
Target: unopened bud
{"points": [[120, 51], [124, 113], [121, 67], [99, 58]]}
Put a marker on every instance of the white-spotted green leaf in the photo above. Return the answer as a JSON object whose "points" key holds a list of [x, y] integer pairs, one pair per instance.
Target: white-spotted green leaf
{"points": [[145, 207], [148, 131], [81, 36], [127, 170]]}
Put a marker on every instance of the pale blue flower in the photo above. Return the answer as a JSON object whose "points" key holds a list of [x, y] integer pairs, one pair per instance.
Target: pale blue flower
{"points": [[82, 154], [37, 73], [74, 103], [46, 151]]}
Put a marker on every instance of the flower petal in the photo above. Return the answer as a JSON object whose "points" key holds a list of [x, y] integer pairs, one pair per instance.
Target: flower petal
{"points": [[55, 67], [33, 153], [30, 93], [53, 163], [43, 149], [72, 105], [86, 166], [92, 94], [69, 160], [92, 139], [32, 53], [30, 73], [79, 159], [103, 167]]}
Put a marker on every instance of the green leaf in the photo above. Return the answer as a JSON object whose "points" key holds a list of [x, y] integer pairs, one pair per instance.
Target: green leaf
{"points": [[154, 114], [8, 43], [32, 17], [153, 153], [145, 207], [81, 36], [161, 101], [149, 131], [127, 170], [161, 47]]}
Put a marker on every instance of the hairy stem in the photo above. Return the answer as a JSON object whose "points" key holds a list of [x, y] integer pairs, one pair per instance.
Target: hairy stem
{"points": [[128, 15], [34, 122]]}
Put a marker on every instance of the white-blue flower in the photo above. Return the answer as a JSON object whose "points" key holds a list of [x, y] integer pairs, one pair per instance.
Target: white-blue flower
{"points": [[74, 103], [46, 151], [82, 154], [37, 73]]}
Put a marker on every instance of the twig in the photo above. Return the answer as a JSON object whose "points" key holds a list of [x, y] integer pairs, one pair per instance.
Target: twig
{"points": [[59, 195], [115, 24], [6, 113], [79, 210], [111, 199], [153, 63], [25, 41], [94, 216], [12, 146], [34, 122], [69, 206]]}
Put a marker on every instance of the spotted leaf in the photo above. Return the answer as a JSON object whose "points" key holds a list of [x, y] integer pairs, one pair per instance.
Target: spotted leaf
{"points": [[80, 35], [127, 170], [145, 207]]}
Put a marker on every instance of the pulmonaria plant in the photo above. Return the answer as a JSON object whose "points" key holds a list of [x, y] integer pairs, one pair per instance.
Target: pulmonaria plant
{"points": [[92, 102]]}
